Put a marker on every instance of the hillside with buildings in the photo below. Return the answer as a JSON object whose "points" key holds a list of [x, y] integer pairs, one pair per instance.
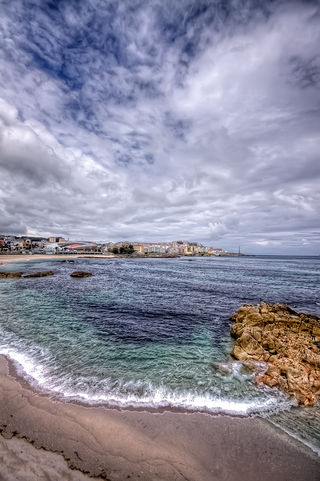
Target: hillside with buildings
{"points": [[37, 245]]}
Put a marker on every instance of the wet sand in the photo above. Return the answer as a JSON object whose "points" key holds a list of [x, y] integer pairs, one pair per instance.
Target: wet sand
{"points": [[20, 461], [138, 445]]}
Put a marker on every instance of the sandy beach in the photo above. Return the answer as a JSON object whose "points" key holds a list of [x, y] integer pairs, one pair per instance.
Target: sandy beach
{"points": [[20, 461], [138, 445], [4, 259]]}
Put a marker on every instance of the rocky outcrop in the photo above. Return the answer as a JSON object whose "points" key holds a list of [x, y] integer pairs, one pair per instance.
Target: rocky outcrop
{"points": [[38, 274], [80, 274], [10, 275], [287, 341]]}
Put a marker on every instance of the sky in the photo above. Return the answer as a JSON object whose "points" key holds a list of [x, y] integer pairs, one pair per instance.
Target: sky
{"points": [[162, 120]]}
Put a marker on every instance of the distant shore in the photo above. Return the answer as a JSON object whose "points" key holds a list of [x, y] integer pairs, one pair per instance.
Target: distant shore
{"points": [[4, 259], [8, 258], [144, 446]]}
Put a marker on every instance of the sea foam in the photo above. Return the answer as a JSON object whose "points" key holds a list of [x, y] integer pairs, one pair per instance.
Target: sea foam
{"points": [[92, 391]]}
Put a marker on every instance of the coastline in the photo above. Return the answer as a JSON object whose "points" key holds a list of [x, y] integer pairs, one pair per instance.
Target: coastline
{"points": [[139, 445], [6, 259]]}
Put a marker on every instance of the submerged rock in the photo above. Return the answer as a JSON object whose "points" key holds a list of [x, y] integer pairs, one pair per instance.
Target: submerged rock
{"points": [[287, 341], [81, 274], [38, 274], [10, 275]]}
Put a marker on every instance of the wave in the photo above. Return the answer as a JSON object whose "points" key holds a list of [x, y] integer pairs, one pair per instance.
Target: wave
{"points": [[134, 394], [65, 389]]}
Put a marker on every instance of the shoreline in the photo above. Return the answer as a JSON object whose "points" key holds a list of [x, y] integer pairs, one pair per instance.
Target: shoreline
{"points": [[17, 371], [10, 258], [118, 444]]}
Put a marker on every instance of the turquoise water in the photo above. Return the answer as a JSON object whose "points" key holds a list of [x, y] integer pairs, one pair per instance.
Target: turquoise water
{"points": [[148, 332]]}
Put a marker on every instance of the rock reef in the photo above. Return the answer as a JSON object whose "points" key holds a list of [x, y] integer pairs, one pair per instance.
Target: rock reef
{"points": [[16, 275], [10, 275], [80, 274], [38, 274], [287, 341]]}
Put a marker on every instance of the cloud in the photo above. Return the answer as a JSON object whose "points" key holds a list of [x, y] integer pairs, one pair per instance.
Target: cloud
{"points": [[153, 120], [25, 150]]}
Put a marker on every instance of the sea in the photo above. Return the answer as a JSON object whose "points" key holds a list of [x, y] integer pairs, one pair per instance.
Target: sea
{"points": [[153, 333]]}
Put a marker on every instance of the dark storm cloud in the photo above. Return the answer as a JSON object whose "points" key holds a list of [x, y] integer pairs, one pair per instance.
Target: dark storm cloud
{"points": [[161, 120]]}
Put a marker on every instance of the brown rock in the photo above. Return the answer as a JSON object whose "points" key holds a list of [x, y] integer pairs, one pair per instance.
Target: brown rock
{"points": [[80, 274], [38, 274], [287, 341], [10, 275]]}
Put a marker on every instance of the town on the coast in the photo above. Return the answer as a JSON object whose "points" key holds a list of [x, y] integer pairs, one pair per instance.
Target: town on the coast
{"points": [[11, 244]]}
